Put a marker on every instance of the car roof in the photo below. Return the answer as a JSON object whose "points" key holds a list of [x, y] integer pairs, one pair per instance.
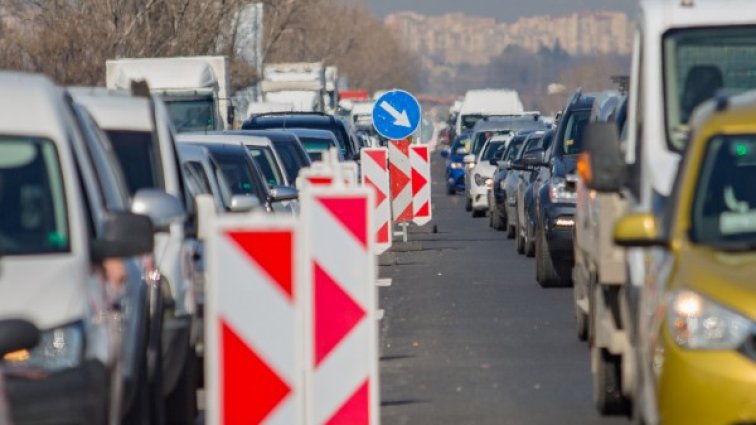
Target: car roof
{"points": [[275, 135], [293, 120], [662, 15], [37, 108], [114, 109], [192, 151], [310, 132], [224, 138]]}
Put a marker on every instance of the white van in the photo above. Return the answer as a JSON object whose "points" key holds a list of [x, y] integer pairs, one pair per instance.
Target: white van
{"points": [[485, 103]]}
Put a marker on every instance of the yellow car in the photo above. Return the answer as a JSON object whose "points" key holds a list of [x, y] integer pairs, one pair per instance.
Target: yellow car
{"points": [[696, 322]]}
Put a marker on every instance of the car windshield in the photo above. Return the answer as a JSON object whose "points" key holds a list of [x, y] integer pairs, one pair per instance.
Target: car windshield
{"points": [[469, 121], [237, 173], [315, 146], [514, 148], [289, 155], [139, 159], [493, 150], [33, 216], [192, 115], [482, 137], [265, 159], [724, 209], [572, 139], [698, 63]]}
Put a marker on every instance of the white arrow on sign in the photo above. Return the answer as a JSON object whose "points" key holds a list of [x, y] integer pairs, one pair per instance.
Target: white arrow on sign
{"points": [[400, 119]]}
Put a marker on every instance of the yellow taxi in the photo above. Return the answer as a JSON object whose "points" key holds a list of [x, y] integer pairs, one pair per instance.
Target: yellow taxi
{"points": [[696, 321]]}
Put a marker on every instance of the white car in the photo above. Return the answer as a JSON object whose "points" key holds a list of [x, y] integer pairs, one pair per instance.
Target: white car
{"points": [[482, 174], [143, 139]]}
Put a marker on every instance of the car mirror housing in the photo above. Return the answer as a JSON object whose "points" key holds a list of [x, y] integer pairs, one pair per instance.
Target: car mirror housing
{"points": [[638, 230], [283, 193], [16, 335], [534, 159], [124, 234], [445, 153], [244, 203], [162, 208], [601, 165]]}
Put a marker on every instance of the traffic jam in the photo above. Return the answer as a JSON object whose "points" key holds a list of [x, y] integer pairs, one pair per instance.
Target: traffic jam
{"points": [[311, 252]]}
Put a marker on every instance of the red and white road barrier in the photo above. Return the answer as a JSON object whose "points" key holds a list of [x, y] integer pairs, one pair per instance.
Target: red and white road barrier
{"points": [[321, 173], [254, 341], [340, 303], [421, 186], [401, 180], [375, 174]]}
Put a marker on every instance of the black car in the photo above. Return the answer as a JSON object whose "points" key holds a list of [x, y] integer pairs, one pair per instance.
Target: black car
{"points": [[502, 185], [554, 192], [313, 120], [289, 149], [524, 232]]}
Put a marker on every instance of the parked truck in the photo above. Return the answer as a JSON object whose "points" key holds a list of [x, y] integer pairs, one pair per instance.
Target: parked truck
{"points": [[302, 85], [195, 89]]}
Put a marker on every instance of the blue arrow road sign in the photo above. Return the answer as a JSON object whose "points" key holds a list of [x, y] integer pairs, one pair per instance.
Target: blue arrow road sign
{"points": [[396, 115]]}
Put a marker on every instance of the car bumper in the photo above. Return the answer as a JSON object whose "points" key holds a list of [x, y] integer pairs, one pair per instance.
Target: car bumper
{"points": [[77, 396], [705, 387], [559, 223], [479, 196], [456, 178]]}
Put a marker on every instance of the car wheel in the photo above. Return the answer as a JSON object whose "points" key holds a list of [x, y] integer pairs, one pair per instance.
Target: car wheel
{"points": [[181, 404], [581, 319], [607, 384], [550, 275], [450, 190], [478, 213], [495, 217], [519, 240], [529, 243], [468, 203]]}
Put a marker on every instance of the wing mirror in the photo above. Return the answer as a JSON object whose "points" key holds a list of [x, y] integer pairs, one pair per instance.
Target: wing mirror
{"points": [[601, 165], [124, 234], [244, 203], [283, 193], [445, 153], [163, 209], [461, 151], [16, 335], [534, 159], [469, 159], [638, 230]]}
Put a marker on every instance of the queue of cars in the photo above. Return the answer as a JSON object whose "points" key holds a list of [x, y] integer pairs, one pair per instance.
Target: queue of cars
{"points": [[98, 203], [643, 201]]}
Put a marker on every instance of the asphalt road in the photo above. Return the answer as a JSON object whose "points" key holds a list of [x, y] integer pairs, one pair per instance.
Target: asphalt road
{"points": [[470, 338]]}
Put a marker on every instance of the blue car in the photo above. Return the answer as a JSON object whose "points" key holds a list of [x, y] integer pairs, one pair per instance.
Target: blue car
{"points": [[455, 165]]}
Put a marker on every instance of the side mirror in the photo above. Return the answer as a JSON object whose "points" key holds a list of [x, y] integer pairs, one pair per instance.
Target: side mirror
{"points": [[505, 164], [469, 159], [601, 165], [162, 208], [445, 153], [230, 115], [16, 335], [534, 159], [283, 193], [124, 234], [518, 165], [244, 203], [461, 151], [494, 162], [638, 230]]}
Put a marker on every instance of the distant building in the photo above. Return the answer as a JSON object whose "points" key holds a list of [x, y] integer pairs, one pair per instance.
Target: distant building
{"points": [[455, 39]]}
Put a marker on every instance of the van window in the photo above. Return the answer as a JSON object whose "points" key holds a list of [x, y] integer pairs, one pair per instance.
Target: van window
{"points": [[33, 213]]}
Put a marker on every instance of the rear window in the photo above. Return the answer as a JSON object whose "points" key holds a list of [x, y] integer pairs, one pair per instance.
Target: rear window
{"points": [[33, 214], [139, 158], [265, 159]]}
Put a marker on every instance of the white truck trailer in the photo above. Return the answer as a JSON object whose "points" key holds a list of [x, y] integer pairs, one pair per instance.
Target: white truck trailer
{"points": [[302, 85], [195, 89]]}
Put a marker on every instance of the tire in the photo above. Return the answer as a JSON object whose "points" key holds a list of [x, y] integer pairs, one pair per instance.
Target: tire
{"points": [[468, 203], [581, 320], [478, 213], [520, 240], [496, 219], [450, 190], [607, 384], [549, 276], [538, 258], [181, 404], [529, 244]]}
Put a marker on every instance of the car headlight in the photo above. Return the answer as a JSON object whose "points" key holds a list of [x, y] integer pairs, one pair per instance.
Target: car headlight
{"points": [[489, 183], [698, 323], [457, 165], [479, 180], [58, 349], [558, 192], [503, 185], [471, 165]]}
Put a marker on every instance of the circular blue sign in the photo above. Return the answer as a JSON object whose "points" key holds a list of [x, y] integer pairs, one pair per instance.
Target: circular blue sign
{"points": [[396, 115]]}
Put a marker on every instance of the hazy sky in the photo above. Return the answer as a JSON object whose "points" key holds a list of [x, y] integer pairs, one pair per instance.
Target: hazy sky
{"points": [[504, 10]]}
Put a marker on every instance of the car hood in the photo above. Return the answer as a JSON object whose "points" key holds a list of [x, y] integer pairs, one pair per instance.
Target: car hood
{"points": [[48, 290], [485, 169], [725, 277]]}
